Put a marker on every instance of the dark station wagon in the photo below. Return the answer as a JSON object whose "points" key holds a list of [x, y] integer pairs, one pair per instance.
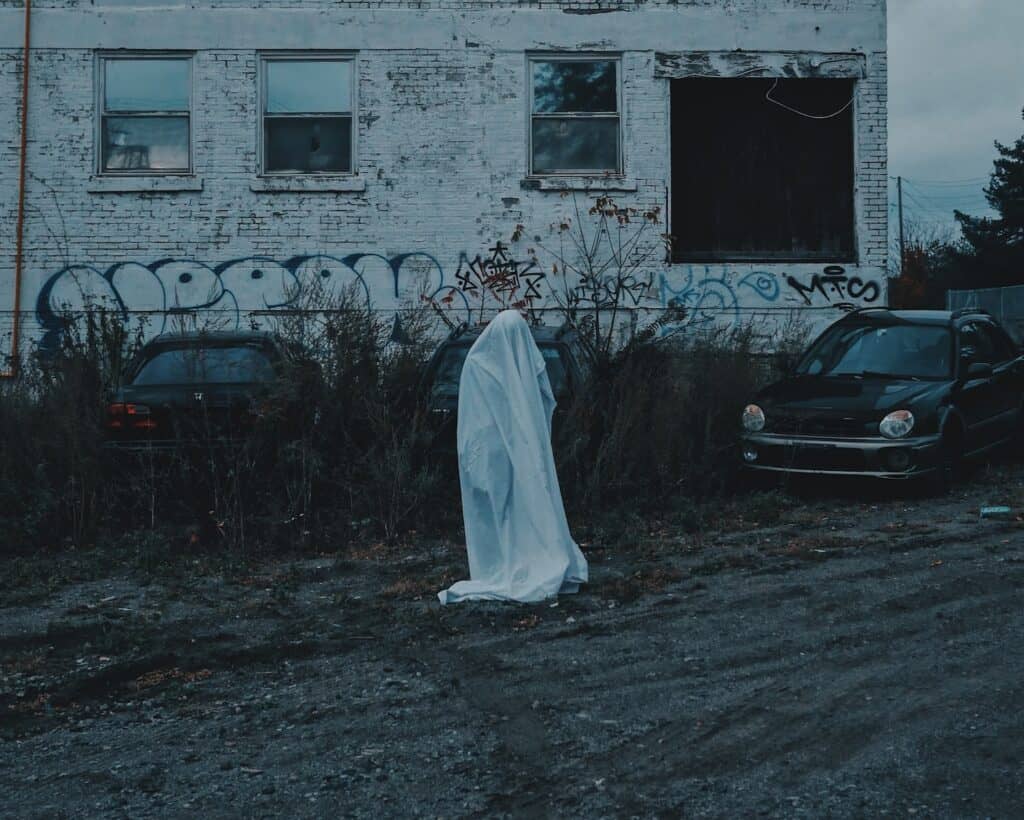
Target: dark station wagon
{"points": [[891, 394], [206, 387]]}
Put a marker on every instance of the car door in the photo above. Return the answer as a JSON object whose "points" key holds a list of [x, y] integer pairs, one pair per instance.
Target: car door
{"points": [[980, 402], [1007, 376]]}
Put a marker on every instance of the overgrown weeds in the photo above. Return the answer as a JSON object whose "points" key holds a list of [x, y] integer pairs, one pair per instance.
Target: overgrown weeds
{"points": [[654, 432]]}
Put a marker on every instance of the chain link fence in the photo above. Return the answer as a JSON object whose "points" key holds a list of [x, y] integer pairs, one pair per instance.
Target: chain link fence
{"points": [[1005, 304]]}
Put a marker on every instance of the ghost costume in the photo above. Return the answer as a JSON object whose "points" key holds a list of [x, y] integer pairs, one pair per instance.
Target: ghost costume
{"points": [[517, 536]]}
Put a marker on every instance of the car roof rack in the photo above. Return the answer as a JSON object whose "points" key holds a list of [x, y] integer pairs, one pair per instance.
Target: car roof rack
{"points": [[869, 309]]}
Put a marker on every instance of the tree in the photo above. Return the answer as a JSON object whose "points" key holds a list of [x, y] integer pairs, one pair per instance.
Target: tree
{"points": [[992, 252], [927, 268]]}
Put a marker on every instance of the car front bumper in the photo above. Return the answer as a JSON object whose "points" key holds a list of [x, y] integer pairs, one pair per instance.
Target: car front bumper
{"points": [[870, 457]]}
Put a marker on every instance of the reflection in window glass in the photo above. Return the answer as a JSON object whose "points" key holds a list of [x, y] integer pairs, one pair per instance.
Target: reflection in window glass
{"points": [[898, 351], [309, 86], [207, 365], [307, 116], [574, 145], [140, 143], [302, 146], [574, 116], [575, 86], [146, 85], [144, 116]]}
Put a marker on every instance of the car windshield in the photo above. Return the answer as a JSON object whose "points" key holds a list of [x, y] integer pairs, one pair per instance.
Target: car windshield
{"points": [[449, 369], [885, 351], [206, 365]]}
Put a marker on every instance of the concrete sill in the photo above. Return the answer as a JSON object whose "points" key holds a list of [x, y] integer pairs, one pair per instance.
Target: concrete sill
{"points": [[134, 185], [310, 184], [600, 183]]}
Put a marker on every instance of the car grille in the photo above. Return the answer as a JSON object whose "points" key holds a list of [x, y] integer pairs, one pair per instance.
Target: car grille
{"points": [[818, 426], [798, 458]]}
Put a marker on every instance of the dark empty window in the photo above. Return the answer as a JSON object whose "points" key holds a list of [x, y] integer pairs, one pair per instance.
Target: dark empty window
{"points": [[144, 114], [574, 116], [753, 179], [307, 115]]}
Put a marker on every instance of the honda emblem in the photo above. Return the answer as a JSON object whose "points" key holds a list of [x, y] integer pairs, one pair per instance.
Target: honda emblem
{"points": [[197, 396]]}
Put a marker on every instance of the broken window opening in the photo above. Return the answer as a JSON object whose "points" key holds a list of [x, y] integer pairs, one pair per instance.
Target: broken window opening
{"points": [[307, 115], [574, 115], [753, 179], [145, 112]]}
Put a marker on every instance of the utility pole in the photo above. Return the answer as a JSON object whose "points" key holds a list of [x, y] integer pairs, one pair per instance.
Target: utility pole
{"points": [[899, 196]]}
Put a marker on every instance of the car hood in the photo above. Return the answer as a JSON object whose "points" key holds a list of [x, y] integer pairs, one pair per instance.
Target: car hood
{"points": [[853, 397]]}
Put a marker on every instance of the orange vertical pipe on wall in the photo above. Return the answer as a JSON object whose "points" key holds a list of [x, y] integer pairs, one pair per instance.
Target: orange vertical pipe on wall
{"points": [[19, 242]]}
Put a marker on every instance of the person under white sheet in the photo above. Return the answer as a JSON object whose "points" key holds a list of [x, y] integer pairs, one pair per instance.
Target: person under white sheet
{"points": [[517, 535]]}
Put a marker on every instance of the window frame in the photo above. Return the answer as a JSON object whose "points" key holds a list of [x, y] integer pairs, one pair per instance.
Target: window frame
{"points": [[575, 57], [102, 57], [265, 57]]}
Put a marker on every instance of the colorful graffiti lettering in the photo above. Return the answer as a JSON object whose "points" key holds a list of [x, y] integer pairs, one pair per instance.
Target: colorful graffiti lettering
{"points": [[228, 291]]}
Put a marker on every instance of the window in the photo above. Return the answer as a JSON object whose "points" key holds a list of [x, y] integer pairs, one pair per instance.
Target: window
{"points": [[144, 114], [752, 179], [978, 344], [307, 115], [574, 115]]}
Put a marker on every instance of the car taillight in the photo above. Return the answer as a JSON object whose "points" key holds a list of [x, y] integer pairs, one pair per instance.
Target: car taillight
{"points": [[136, 416]]}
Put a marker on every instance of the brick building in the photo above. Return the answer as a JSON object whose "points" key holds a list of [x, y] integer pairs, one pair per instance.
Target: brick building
{"points": [[224, 157]]}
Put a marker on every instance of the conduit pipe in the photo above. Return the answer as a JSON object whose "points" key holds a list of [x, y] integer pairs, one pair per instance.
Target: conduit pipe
{"points": [[19, 241]]}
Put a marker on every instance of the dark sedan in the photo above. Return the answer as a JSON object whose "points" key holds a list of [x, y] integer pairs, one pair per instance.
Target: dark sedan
{"points": [[891, 394], [563, 358], [205, 387]]}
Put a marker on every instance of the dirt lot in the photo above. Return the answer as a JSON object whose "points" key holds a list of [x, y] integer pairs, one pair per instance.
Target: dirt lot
{"points": [[831, 656]]}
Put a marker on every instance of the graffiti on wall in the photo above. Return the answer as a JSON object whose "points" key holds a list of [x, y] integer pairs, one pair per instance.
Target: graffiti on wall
{"points": [[239, 292], [836, 288], [713, 297]]}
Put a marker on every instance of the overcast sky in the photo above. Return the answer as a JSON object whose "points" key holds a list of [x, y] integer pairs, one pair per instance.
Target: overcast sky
{"points": [[956, 83]]}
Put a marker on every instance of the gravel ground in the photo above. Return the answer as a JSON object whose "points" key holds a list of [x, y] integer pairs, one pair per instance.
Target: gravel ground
{"points": [[850, 658]]}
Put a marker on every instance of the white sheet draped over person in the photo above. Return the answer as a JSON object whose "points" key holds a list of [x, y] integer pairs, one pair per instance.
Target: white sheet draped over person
{"points": [[517, 535]]}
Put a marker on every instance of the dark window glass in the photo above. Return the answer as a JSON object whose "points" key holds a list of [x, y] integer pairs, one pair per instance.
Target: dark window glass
{"points": [[575, 144], [145, 143], [575, 86], [554, 363], [449, 370], [978, 344], [907, 351], [753, 180], [206, 365], [146, 85], [305, 145]]}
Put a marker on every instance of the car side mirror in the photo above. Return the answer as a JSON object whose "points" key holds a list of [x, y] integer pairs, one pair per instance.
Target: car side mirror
{"points": [[979, 370]]}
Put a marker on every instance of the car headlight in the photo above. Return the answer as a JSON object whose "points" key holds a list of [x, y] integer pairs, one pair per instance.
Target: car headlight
{"points": [[897, 424], [753, 418]]}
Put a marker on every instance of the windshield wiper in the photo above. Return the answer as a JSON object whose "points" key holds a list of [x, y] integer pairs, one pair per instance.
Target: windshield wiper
{"points": [[878, 374]]}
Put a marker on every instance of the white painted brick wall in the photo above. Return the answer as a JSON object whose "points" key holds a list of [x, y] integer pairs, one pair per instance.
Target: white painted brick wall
{"points": [[441, 145]]}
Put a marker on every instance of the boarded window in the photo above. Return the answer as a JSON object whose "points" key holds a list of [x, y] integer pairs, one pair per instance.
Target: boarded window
{"points": [[307, 115], [144, 114], [752, 179], [574, 116]]}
